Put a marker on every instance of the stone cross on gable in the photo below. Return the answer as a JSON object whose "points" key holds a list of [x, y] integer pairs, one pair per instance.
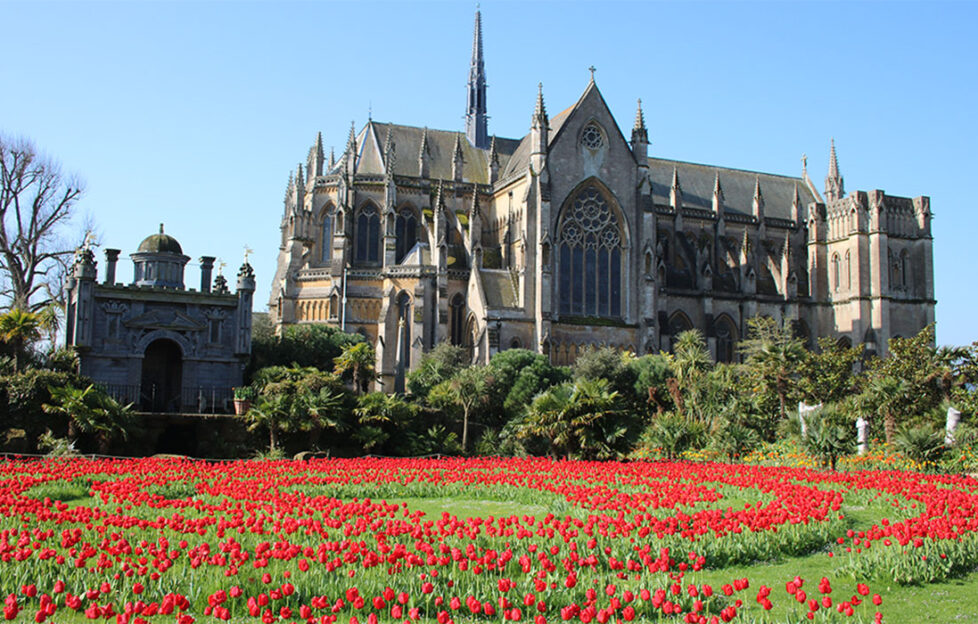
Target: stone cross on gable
{"points": [[592, 69], [804, 163]]}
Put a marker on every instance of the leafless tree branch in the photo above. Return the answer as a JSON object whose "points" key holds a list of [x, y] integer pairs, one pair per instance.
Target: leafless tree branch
{"points": [[36, 203]]}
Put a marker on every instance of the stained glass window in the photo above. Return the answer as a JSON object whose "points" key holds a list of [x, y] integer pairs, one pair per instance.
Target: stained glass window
{"points": [[589, 257]]}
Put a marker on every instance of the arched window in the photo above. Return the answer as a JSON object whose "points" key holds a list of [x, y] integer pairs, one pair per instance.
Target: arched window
{"points": [[456, 325], [406, 233], [367, 235], [848, 270], [589, 265], [835, 272], [726, 333], [326, 237]]}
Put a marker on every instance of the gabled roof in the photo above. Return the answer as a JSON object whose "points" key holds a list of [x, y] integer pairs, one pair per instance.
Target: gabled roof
{"points": [[521, 157], [697, 183]]}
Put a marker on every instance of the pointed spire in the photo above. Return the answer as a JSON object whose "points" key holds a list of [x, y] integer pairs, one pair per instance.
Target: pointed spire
{"points": [[834, 184], [289, 187], [745, 247], [676, 191], [476, 117], [639, 118], [675, 178], [493, 161], [332, 157], [350, 154], [786, 250], [540, 119], [314, 165], [717, 202], [796, 205], [457, 160], [833, 159], [758, 204], [640, 138]]}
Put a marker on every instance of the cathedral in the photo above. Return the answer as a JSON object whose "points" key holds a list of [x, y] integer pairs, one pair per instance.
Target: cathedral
{"points": [[572, 236]]}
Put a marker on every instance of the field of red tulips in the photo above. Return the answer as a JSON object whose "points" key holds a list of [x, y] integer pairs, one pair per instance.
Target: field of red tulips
{"points": [[475, 540]]}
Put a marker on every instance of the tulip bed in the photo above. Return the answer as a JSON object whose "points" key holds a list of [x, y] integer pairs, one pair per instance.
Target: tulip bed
{"points": [[532, 540]]}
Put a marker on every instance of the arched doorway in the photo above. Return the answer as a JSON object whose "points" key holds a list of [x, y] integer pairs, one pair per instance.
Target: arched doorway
{"points": [[161, 389]]}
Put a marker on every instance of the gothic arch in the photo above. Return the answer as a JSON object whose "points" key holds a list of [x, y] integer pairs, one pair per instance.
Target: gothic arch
{"points": [[679, 322], [406, 226], [457, 320], [326, 233], [592, 253], [366, 235], [727, 336]]}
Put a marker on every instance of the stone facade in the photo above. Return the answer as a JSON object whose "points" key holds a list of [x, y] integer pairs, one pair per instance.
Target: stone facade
{"points": [[155, 343], [572, 236]]}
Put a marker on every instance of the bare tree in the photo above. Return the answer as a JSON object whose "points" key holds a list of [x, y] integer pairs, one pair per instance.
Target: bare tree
{"points": [[36, 203]]}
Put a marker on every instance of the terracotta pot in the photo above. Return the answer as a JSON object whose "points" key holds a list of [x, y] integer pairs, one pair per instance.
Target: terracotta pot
{"points": [[241, 406]]}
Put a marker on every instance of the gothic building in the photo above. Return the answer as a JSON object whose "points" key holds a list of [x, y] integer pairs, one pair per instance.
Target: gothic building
{"points": [[573, 236], [155, 343]]}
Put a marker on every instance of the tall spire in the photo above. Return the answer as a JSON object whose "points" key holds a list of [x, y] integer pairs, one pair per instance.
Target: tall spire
{"points": [[834, 184], [476, 118]]}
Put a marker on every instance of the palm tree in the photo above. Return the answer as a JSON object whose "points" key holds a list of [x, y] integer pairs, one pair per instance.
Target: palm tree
{"points": [[89, 410], [360, 360], [772, 355], [577, 418], [293, 398], [19, 328]]}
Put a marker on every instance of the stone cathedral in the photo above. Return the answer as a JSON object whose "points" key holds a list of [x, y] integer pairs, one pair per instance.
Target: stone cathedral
{"points": [[573, 236]]}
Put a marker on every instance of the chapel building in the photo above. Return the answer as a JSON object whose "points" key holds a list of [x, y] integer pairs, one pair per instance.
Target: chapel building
{"points": [[573, 236], [155, 343]]}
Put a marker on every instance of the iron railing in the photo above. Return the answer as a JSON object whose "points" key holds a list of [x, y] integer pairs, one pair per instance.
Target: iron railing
{"points": [[193, 400]]}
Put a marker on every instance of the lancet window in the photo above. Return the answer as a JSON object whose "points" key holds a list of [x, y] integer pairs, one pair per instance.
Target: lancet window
{"points": [[406, 233], [367, 235]]}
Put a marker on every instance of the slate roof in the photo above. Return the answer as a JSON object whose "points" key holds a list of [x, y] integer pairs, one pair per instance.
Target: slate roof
{"points": [[441, 150], [696, 182], [497, 284]]}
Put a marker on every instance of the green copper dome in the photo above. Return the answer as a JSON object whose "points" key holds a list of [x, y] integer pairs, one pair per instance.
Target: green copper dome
{"points": [[160, 243]]}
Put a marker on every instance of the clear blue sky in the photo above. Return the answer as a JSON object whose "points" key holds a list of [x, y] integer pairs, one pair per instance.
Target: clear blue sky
{"points": [[193, 113]]}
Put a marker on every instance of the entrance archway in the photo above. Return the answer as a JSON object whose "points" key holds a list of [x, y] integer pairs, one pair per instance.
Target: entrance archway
{"points": [[161, 388]]}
